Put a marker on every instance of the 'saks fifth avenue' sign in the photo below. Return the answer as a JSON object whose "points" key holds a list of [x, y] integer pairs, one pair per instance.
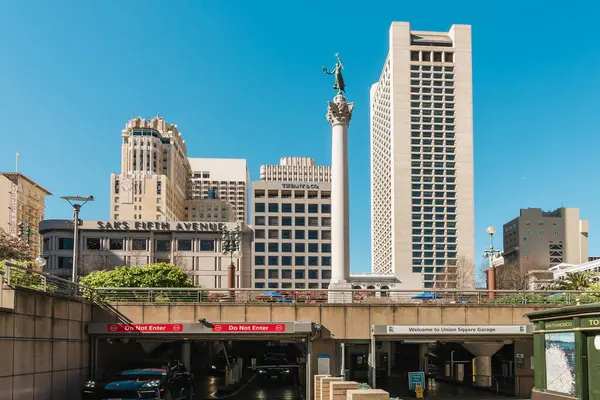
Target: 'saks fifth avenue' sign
{"points": [[160, 226]]}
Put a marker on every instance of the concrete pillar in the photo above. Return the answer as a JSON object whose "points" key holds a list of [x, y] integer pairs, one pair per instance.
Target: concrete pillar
{"points": [[423, 350], [339, 114], [186, 354], [483, 353], [389, 358]]}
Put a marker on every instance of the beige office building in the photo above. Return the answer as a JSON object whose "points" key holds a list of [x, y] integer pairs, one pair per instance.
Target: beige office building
{"points": [[422, 156], [227, 179], [194, 246], [21, 199], [292, 230], [537, 239]]}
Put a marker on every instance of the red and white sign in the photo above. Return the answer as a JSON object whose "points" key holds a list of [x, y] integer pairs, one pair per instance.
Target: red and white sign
{"points": [[144, 328], [248, 328]]}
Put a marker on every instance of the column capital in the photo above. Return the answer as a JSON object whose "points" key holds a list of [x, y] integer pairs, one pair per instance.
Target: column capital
{"points": [[339, 111]]}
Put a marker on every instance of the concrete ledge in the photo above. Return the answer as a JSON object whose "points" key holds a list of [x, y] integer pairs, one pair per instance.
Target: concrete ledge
{"points": [[368, 394]]}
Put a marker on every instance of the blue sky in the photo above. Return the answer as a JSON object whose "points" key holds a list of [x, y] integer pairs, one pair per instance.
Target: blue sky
{"points": [[243, 79]]}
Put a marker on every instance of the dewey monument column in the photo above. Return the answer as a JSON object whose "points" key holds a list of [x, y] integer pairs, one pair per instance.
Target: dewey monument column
{"points": [[339, 113]]}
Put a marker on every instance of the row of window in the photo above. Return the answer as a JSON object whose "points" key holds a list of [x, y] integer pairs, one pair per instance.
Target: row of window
{"points": [[287, 221], [287, 234], [430, 232], [430, 186], [298, 261], [450, 157], [451, 247], [287, 208], [287, 194], [437, 202], [437, 90], [428, 56], [435, 68], [297, 274], [161, 245], [260, 247], [429, 224], [288, 285]]}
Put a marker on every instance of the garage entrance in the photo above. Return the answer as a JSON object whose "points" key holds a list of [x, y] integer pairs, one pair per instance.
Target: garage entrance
{"points": [[226, 358]]}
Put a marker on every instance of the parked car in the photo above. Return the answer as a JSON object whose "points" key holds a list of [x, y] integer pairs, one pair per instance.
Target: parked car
{"points": [[172, 382], [275, 367]]}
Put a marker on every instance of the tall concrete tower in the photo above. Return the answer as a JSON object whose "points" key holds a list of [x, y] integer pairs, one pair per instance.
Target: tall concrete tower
{"points": [[422, 207]]}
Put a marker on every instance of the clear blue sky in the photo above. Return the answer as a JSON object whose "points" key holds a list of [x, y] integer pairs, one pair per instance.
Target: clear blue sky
{"points": [[243, 79]]}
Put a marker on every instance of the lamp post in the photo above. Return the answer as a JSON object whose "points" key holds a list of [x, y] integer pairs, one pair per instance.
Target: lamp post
{"points": [[76, 202], [491, 253], [231, 242]]}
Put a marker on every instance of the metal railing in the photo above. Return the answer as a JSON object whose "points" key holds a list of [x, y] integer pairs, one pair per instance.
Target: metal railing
{"points": [[19, 276], [354, 296]]}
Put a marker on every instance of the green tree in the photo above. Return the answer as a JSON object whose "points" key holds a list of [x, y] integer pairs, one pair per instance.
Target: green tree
{"points": [[159, 275], [11, 248], [583, 280]]}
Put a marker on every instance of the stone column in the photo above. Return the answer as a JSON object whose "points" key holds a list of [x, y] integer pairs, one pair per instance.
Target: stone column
{"points": [[339, 114]]}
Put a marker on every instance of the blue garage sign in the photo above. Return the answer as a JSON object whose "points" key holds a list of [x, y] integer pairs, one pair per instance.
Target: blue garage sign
{"points": [[416, 378]]}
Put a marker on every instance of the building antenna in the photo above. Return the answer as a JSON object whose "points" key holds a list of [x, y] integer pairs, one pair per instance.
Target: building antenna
{"points": [[17, 161]]}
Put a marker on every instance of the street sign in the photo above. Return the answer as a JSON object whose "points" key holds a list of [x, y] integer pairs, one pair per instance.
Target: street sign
{"points": [[415, 379], [252, 328], [145, 328]]}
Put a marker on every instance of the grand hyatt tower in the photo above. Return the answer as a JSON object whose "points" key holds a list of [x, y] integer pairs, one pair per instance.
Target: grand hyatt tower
{"points": [[422, 158]]}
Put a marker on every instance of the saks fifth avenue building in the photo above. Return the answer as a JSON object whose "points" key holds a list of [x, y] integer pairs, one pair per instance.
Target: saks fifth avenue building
{"points": [[195, 246]]}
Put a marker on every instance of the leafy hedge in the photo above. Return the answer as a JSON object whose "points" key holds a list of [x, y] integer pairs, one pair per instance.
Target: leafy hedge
{"points": [[26, 279], [538, 298]]}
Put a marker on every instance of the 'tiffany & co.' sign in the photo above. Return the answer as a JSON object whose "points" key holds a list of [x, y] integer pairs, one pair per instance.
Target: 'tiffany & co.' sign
{"points": [[160, 226]]}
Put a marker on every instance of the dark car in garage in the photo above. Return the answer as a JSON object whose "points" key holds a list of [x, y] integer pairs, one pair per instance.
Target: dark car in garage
{"points": [[172, 382], [275, 367]]}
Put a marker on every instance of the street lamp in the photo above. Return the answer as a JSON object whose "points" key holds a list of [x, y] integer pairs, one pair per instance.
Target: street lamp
{"points": [[77, 202], [491, 253], [231, 242]]}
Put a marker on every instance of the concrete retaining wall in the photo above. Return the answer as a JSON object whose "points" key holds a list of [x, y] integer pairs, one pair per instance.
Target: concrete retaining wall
{"points": [[44, 351]]}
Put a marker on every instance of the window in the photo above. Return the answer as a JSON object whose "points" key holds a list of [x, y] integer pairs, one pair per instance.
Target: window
{"points": [[273, 234], [326, 221], [299, 234], [300, 274], [259, 247], [259, 207], [326, 274], [47, 244], [313, 235], [65, 262], [286, 234], [260, 221], [299, 221], [313, 261], [313, 221], [286, 247], [300, 261], [184, 244], [93, 244], [207, 245], [326, 247], [273, 274], [273, 207], [273, 260], [259, 285], [313, 247], [273, 221], [286, 274], [259, 260], [286, 261], [286, 208], [326, 261], [138, 244], [286, 221], [259, 274], [300, 248], [313, 208], [273, 285], [273, 247], [259, 234], [313, 274], [299, 208], [326, 208], [65, 243], [163, 245], [326, 235]]}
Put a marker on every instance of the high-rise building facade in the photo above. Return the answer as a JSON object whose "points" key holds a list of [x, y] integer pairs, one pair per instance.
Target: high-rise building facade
{"points": [[296, 169], [422, 157], [539, 239], [292, 227], [21, 200], [155, 173], [227, 179]]}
